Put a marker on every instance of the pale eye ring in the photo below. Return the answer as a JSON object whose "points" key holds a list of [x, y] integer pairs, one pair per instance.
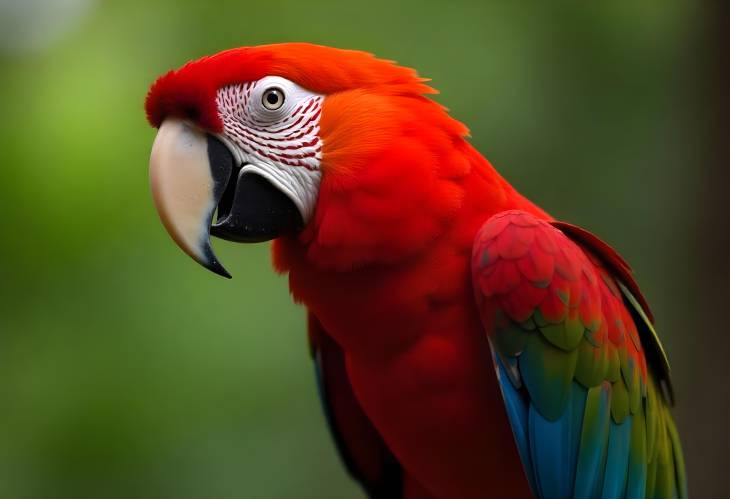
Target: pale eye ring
{"points": [[273, 98]]}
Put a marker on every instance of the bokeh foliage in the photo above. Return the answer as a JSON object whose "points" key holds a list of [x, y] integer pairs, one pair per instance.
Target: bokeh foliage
{"points": [[126, 371]]}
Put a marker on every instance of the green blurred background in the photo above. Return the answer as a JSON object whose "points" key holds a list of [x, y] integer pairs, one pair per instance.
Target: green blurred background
{"points": [[127, 371]]}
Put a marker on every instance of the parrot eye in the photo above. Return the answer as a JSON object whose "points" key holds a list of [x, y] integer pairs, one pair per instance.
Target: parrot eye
{"points": [[273, 98]]}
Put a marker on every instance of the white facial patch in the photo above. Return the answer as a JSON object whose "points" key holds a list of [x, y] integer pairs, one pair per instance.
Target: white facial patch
{"points": [[272, 128]]}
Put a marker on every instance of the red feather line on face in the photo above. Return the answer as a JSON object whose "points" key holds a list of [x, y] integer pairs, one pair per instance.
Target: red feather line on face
{"points": [[190, 92], [292, 141]]}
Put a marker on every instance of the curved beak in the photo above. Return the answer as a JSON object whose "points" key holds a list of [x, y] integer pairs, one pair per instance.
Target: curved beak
{"points": [[186, 187], [192, 173]]}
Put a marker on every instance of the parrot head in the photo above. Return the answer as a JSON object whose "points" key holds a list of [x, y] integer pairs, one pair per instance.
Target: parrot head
{"points": [[301, 141]]}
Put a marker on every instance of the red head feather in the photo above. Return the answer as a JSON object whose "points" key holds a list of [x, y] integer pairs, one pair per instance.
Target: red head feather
{"points": [[189, 92]]}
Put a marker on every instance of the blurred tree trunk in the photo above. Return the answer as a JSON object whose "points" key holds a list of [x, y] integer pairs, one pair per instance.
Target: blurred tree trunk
{"points": [[710, 338]]}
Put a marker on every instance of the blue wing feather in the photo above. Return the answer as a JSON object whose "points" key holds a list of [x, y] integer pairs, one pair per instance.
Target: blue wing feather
{"points": [[582, 454], [548, 452], [516, 405], [593, 442], [617, 460], [577, 410], [554, 444]]}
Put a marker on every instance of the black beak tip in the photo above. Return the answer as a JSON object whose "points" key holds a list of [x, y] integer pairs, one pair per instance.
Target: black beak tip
{"points": [[210, 262], [215, 266]]}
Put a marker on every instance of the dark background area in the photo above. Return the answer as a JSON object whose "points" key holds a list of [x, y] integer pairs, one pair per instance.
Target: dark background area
{"points": [[126, 371]]}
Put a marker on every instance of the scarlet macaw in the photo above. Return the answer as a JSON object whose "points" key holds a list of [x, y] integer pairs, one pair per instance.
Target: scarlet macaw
{"points": [[467, 344]]}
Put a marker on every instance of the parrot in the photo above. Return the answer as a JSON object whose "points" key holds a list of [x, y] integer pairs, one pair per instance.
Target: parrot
{"points": [[466, 344]]}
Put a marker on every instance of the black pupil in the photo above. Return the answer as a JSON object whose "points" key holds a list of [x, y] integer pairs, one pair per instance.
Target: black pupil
{"points": [[272, 97]]}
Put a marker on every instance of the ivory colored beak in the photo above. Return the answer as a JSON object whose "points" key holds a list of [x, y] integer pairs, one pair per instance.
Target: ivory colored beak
{"points": [[186, 187]]}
